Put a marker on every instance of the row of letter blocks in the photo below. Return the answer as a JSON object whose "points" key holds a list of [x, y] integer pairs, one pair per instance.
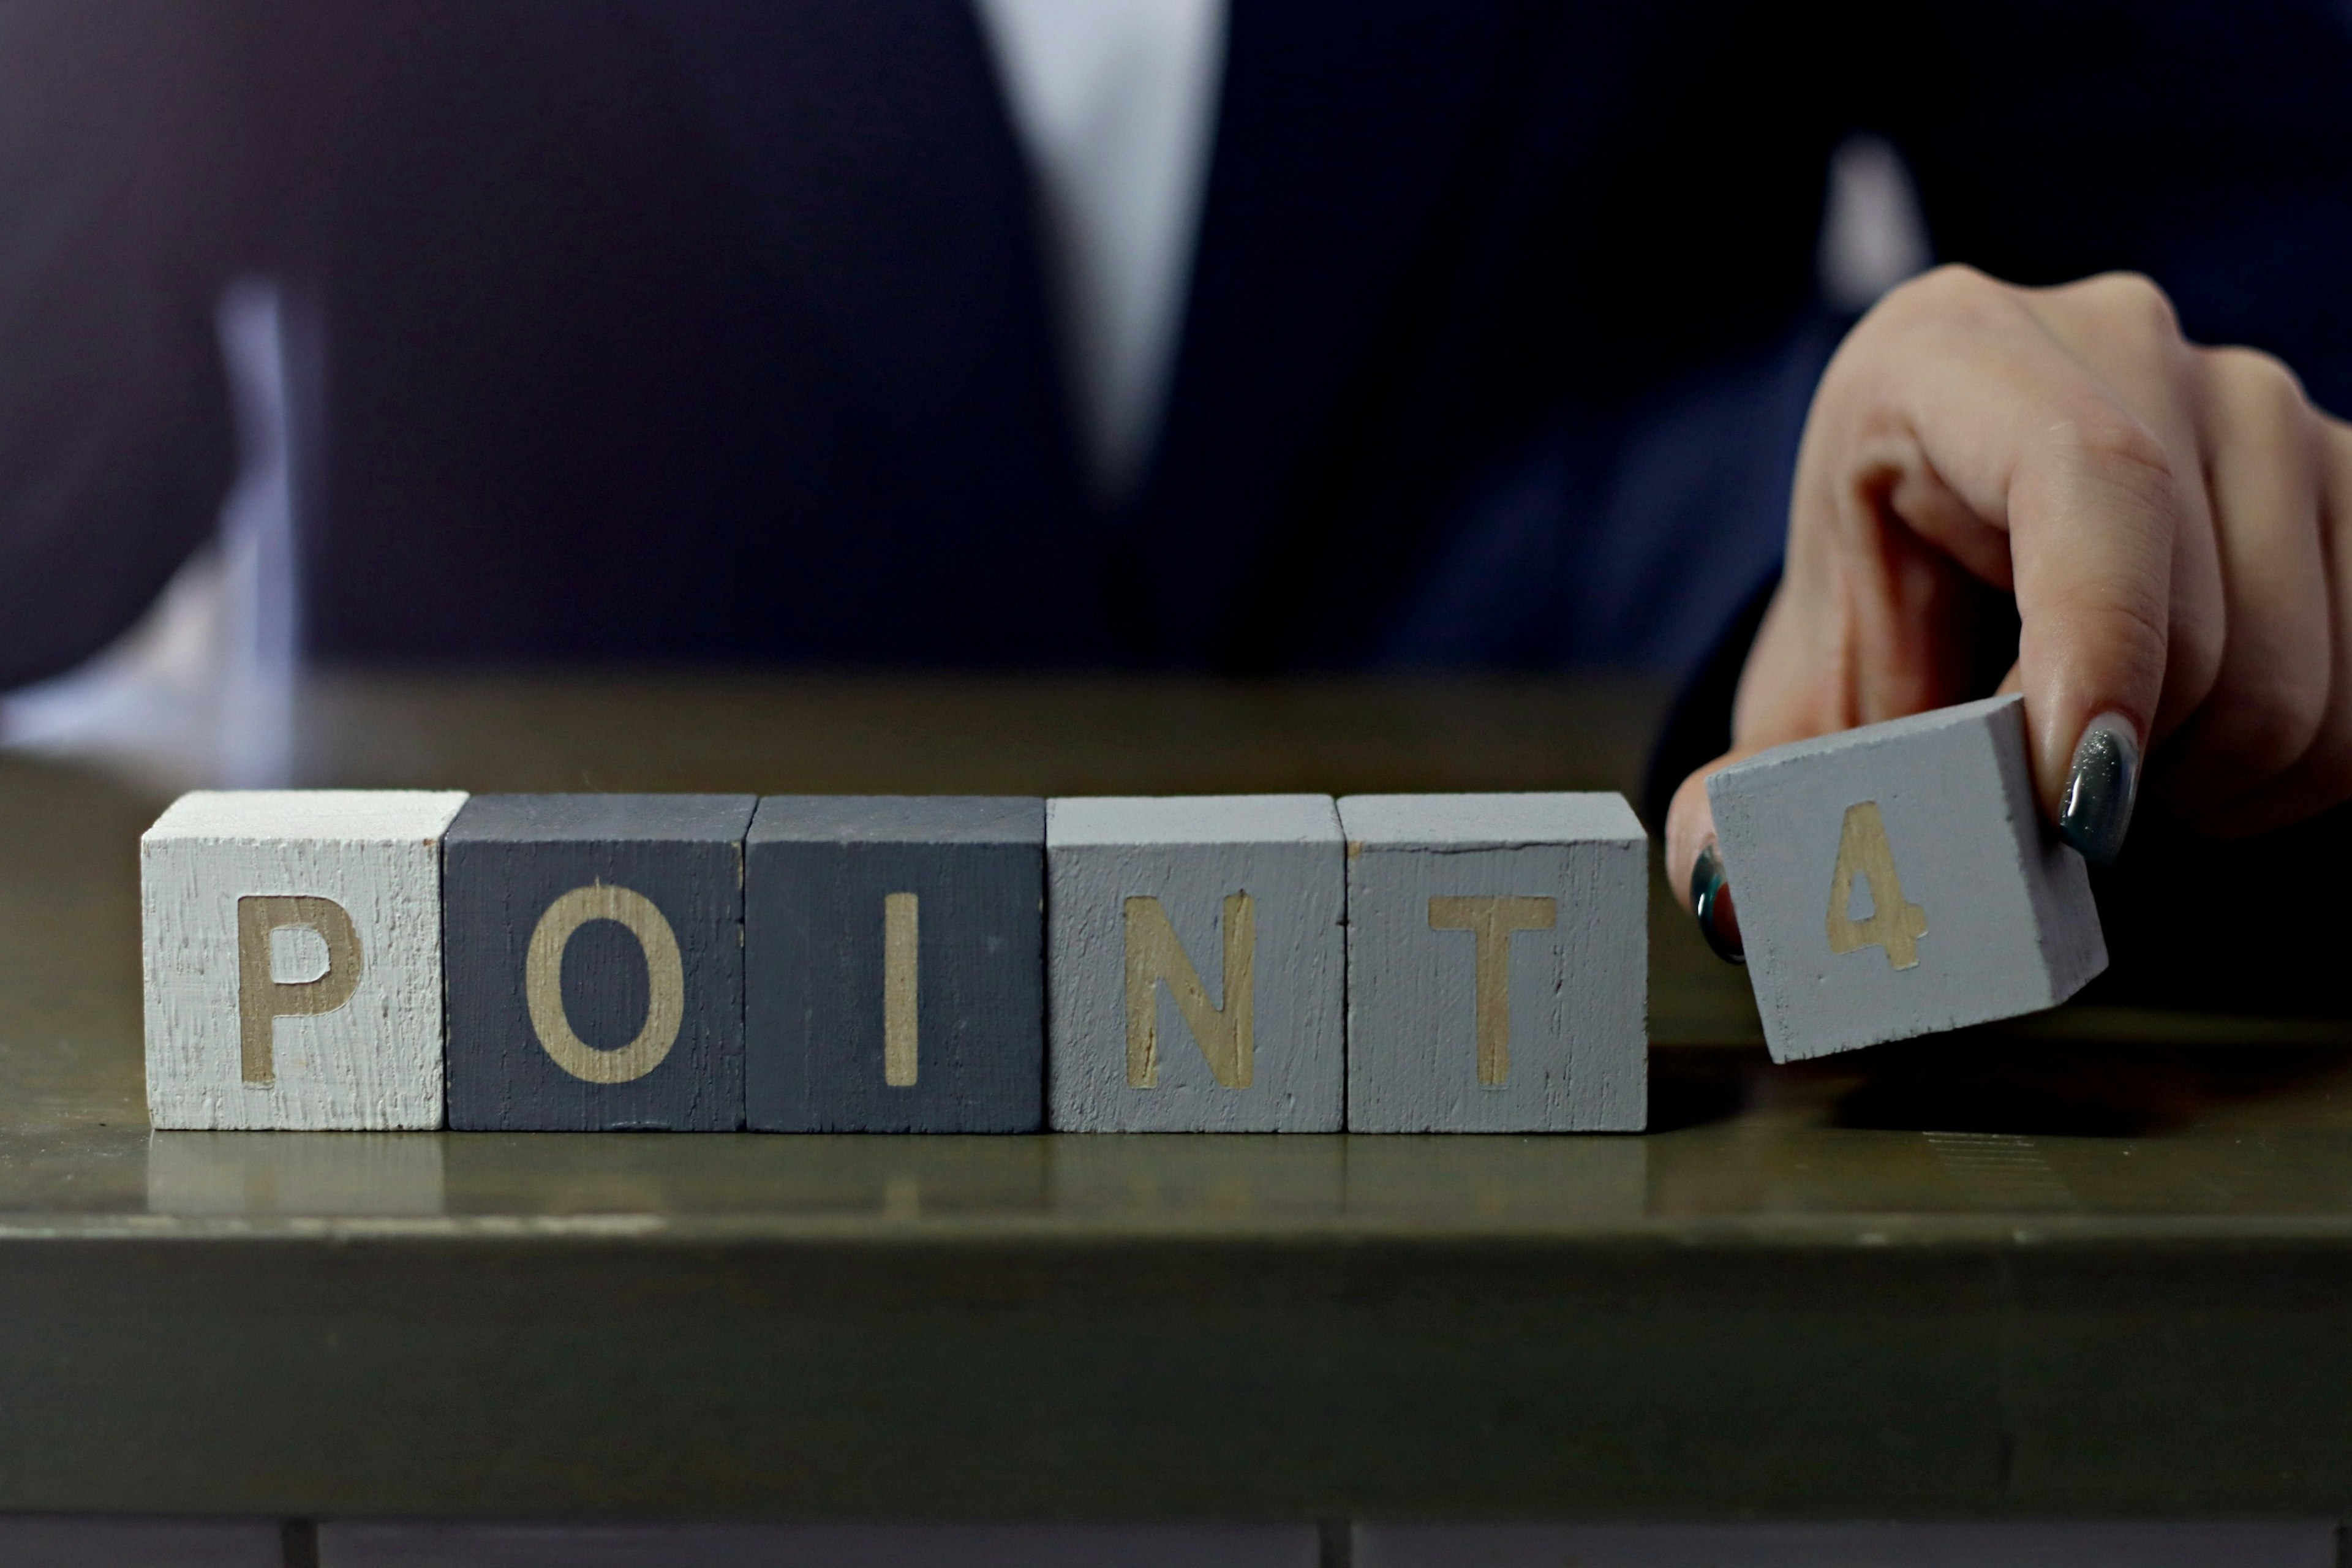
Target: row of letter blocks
{"points": [[362, 959]]}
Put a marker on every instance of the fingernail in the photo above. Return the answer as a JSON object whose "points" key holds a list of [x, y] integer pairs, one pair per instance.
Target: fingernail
{"points": [[1719, 919], [2097, 808]]}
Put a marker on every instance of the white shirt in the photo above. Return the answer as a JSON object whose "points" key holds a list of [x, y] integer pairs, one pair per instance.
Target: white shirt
{"points": [[1114, 103]]}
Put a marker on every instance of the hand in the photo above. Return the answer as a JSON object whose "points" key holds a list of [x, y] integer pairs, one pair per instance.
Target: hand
{"points": [[2175, 522]]}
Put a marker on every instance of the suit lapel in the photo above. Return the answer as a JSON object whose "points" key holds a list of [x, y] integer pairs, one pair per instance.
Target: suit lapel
{"points": [[1342, 133], [876, 146]]}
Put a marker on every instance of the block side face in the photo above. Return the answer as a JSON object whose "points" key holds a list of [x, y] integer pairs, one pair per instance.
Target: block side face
{"points": [[2073, 945], [1941, 798], [502, 1075], [333, 815], [1297, 893], [372, 1062], [1574, 1030], [816, 943], [900, 818], [604, 818], [1488, 821], [1205, 819]]}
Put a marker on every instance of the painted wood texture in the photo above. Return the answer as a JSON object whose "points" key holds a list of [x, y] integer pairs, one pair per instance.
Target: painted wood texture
{"points": [[1897, 879], [292, 957], [1498, 964], [595, 950], [896, 959], [1195, 964]]}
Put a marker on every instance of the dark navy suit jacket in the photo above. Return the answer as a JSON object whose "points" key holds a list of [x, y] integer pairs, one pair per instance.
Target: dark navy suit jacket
{"points": [[717, 329]]}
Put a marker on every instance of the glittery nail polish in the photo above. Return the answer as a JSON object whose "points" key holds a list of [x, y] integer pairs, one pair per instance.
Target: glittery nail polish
{"points": [[1718, 917], [2096, 809]]}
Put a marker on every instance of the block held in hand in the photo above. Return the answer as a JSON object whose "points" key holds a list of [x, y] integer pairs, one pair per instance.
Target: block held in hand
{"points": [[1950, 902]]}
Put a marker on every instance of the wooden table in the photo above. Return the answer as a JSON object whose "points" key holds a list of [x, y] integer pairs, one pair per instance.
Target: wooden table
{"points": [[2098, 1264]]}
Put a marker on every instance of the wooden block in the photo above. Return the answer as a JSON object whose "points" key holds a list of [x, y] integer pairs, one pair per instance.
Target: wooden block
{"points": [[594, 945], [896, 952], [293, 959], [1195, 966], [1498, 964], [1897, 880]]}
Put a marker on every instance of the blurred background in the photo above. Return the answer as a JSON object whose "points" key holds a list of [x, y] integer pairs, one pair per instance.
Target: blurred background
{"points": [[202, 689], [1081, 337], [1051, 396]]}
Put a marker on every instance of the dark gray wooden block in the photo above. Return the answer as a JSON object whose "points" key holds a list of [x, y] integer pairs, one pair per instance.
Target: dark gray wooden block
{"points": [[896, 952], [593, 949]]}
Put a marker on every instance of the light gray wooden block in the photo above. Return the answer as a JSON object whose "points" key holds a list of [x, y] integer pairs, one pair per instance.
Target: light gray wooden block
{"points": [[1149, 1026], [1897, 879], [293, 958], [1498, 964]]}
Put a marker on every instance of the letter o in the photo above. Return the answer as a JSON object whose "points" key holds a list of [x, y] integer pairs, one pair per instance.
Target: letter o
{"points": [[543, 983]]}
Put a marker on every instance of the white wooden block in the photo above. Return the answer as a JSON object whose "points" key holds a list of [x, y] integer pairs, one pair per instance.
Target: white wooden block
{"points": [[293, 958], [1498, 964], [1195, 964], [1897, 879]]}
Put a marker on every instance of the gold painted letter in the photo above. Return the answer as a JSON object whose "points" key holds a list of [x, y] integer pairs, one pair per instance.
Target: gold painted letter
{"points": [[900, 913], [543, 983], [1892, 926], [1224, 1034], [1490, 921], [262, 999]]}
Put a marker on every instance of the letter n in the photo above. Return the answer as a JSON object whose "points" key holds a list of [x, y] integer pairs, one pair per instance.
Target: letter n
{"points": [[1223, 1032]]}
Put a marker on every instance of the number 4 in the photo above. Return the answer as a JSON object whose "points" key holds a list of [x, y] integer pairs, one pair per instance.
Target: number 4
{"points": [[1892, 926]]}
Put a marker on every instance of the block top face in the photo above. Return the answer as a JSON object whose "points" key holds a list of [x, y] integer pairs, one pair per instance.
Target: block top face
{"points": [[315, 815], [1961, 716], [900, 819], [1488, 821], [574, 818], [1077, 820]]}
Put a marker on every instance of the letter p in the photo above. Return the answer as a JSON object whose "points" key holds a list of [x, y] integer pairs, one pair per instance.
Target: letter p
{"points": [[261, 998]]}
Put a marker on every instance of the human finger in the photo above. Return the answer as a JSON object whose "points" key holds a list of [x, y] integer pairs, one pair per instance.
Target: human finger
{"points": [[2262, 451], [2322, 776], [1969, 422]]}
